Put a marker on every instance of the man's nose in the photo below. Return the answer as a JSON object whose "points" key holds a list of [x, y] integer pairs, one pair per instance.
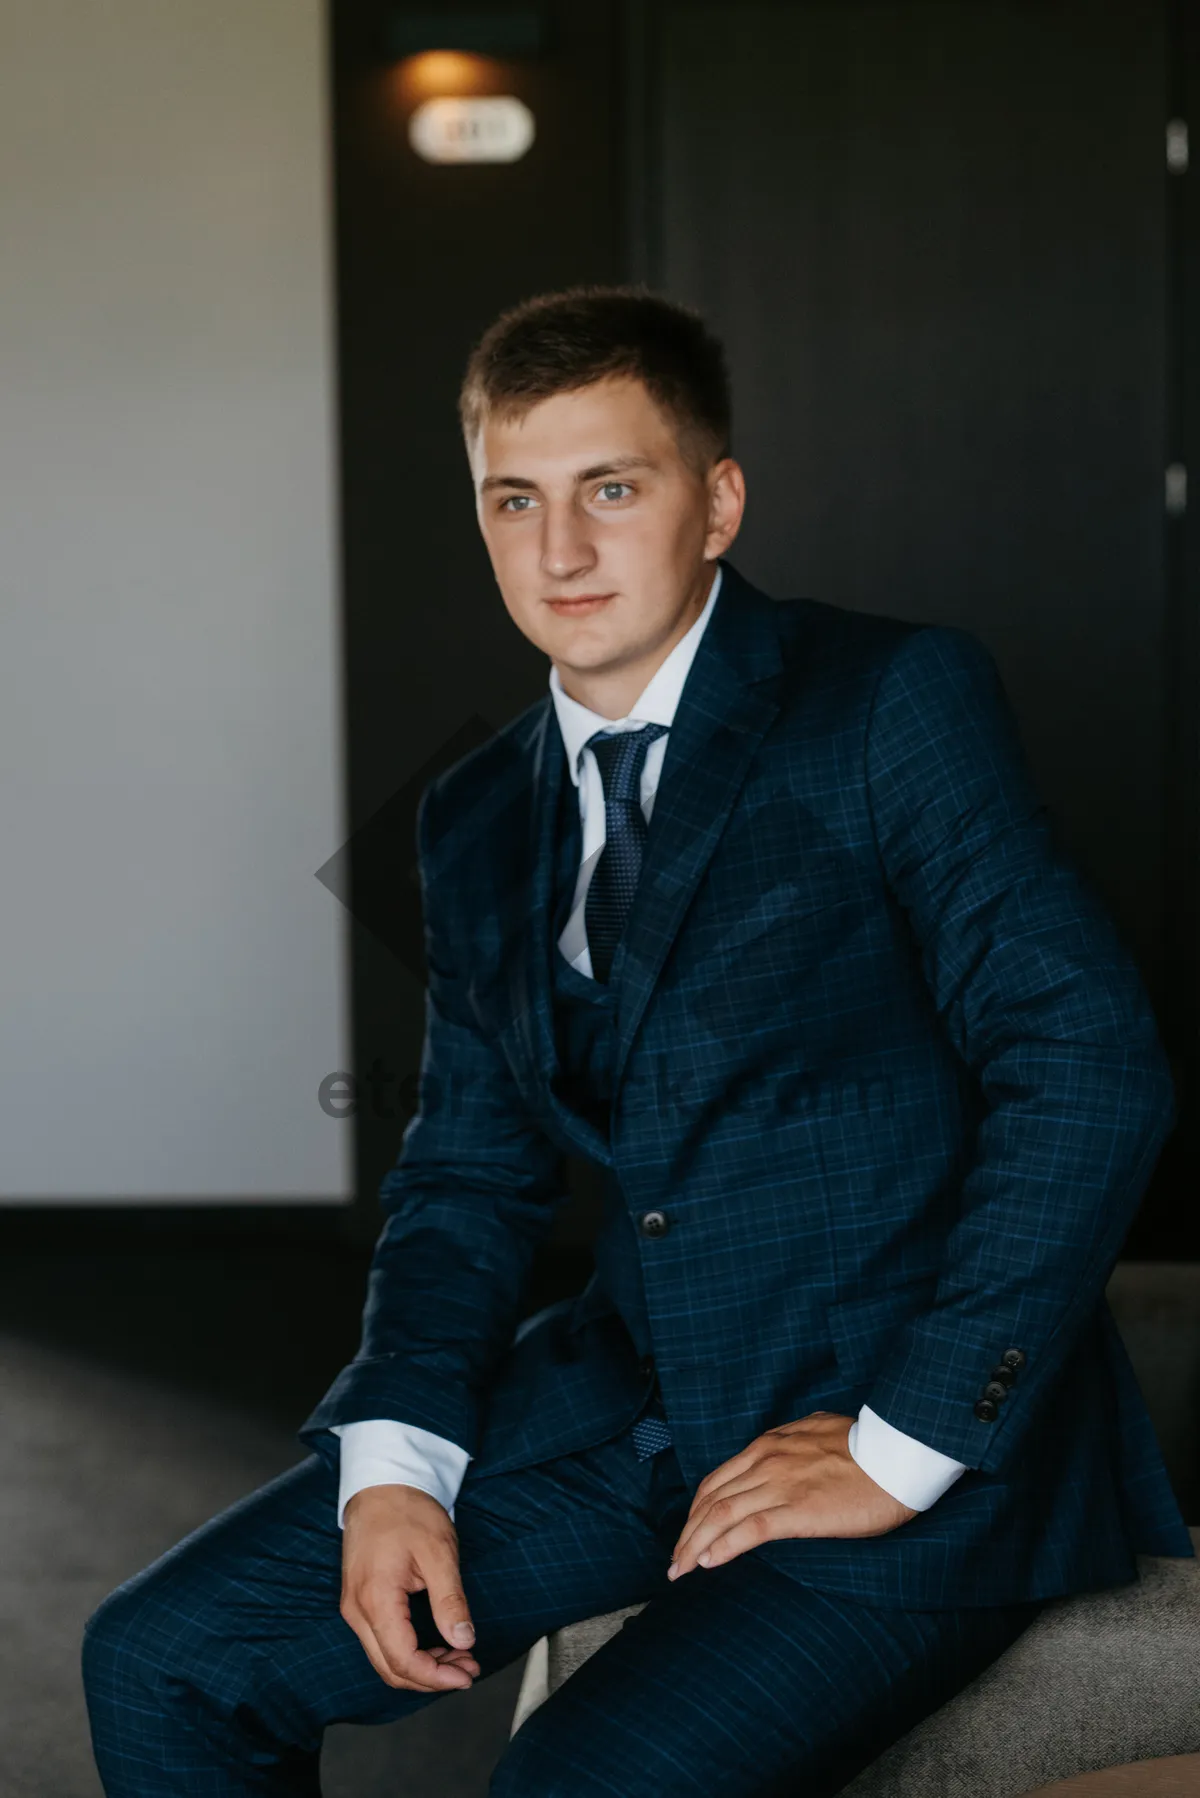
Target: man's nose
{"points": [[567, 549]]}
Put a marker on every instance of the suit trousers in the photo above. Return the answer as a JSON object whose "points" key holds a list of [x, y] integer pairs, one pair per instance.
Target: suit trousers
{"points": [[216, 1670]]}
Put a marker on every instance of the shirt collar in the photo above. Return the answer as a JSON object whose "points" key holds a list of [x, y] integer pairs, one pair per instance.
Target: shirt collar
{"points": [[655, 704]]}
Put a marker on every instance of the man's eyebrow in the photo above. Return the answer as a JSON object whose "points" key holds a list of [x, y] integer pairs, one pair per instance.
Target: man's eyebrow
{"points": [[615, 465]]}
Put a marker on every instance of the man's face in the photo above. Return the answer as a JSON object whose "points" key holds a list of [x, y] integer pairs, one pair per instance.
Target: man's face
{"points": [[602, 537]]}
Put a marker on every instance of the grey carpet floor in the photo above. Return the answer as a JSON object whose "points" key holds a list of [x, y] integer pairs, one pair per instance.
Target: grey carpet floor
{"points": [[102, 1471]]}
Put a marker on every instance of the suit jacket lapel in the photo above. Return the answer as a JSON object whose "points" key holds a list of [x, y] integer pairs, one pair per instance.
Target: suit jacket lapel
{"points": [[533, 994], [728, 703]]}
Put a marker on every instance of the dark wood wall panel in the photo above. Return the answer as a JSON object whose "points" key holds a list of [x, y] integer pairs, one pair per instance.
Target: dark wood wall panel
{"points": [[936, 240]]}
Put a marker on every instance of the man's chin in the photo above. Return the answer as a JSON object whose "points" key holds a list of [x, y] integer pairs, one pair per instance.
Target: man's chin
{"points": [[592, 657], [586, 643]]}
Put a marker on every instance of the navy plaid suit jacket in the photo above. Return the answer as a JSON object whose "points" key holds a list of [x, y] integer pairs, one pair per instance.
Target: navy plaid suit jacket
{"points": [[884, 1065]]}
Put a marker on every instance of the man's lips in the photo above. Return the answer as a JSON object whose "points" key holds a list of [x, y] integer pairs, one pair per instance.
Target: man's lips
{"points": [[578, 605]]}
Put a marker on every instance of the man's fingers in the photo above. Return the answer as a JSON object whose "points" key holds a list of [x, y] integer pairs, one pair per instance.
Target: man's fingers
{"points": [[759, 1525], [456, 1657], [390, 1642], [399, 1540], [447, 1600], [352, 1615], [752, 1480], [370, 1646], [739, 1463], [420, 1673], [713, 1519], [417, 1667]]}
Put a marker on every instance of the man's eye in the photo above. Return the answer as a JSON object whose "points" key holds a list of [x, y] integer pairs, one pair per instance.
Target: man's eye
{"points": [[517, 501], [621, 487]]}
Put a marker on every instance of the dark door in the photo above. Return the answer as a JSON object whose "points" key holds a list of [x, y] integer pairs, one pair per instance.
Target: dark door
{"points": [[934, 237]]}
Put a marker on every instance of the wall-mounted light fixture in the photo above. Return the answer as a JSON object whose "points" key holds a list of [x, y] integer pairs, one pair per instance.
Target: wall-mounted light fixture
{"points": [[471, 128], [446, 69]]}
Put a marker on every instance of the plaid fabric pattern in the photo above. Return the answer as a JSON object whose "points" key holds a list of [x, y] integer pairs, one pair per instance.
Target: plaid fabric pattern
{"points": [[887, 1092], [214, 1673]]}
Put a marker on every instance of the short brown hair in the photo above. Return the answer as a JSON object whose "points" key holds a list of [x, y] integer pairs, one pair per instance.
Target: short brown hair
{"points": [[557, 342]]}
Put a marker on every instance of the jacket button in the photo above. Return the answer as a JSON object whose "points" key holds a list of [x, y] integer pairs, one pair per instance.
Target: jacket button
{"points": [[654, 1223], [995, 1389], [1004, 1374], [646, 1366], [986, 1410], [1013, 1358]]}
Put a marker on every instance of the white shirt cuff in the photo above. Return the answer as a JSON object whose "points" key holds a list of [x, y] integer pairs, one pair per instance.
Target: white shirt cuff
{"points": [[912, 1472], [382, 1452]]}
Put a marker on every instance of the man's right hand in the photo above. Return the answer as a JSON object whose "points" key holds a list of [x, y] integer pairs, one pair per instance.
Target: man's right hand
{"points": [[397, 1540]]}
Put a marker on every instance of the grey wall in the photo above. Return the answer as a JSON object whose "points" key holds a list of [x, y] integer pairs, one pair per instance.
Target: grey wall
{"points": [[171, 983]]}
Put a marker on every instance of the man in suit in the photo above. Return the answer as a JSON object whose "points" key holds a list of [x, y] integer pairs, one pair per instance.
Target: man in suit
{"points": [[758, 912]]}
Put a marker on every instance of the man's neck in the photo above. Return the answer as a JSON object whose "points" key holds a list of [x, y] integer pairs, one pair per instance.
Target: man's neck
{"points": [[612, 692]]}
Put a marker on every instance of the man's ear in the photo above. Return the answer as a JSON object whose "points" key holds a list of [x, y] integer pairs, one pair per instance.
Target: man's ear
{"points": [[726, 503]]}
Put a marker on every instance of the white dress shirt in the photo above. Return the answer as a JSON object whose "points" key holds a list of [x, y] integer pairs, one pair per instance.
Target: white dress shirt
{"points": [[381, 1452]]}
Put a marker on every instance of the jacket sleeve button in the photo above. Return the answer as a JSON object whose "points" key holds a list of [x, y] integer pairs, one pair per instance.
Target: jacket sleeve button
{"points": [[1013, 1358], [995, 1390], [986, 1410], [1004, 1374], [654, 1223]]}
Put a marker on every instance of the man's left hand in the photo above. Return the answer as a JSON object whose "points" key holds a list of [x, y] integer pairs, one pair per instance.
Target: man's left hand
{"points": [[797, 1480]]}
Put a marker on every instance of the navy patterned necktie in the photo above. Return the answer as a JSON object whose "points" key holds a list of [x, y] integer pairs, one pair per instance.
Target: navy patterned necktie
{"points": [[650, 1436], [620, 757]]}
